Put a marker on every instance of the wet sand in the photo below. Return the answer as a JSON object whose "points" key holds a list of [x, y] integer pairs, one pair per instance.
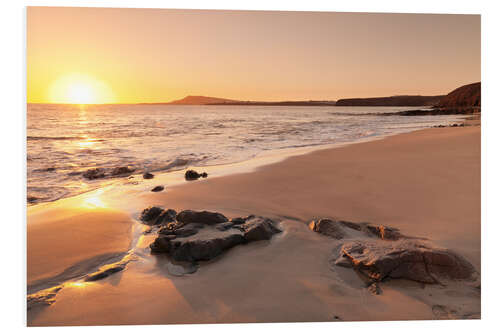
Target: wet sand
{"points": [[426, 183]]}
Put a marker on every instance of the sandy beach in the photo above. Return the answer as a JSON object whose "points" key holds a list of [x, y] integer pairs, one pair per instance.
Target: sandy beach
{"points": [[426, 183]]}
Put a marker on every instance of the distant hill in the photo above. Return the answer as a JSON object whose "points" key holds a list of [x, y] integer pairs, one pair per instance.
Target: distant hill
{"points": [[407, 100], [465, 96], [205, 100], [201, 100]]}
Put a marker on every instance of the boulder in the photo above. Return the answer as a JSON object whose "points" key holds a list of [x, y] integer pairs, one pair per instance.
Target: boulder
{"points": [[204, 235], [148, 175], [94, 173], [406, 259], [203, 217], [158, 188]]}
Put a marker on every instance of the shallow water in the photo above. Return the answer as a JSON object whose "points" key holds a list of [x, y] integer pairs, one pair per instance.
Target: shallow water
{"points": [[65, 140]]}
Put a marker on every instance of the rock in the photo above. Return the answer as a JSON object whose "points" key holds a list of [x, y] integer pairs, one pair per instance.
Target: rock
{"points": [[32, 199], [94, 173], [328, 228], [407, 259], [224, 226], [121, 171], [158, 188], [375, 289], [148, 175], [193, 175], [204, 235], [240, 220], [166, 216], [204, 248], [259, 228], [149, 215], [203, 217], [185, 231]]}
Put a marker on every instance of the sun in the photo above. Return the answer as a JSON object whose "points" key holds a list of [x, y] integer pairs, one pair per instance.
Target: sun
{"points": [[78, 88], [79, 93]]}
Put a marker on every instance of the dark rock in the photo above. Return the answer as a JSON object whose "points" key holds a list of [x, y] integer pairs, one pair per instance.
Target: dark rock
{"points": [[205, 235], [223, 226], [94, 173], [166, 216], [259, 228], [32, 199], [149, 215], [185, 231], [121, 171], [204, 248], [405, 259], [158, 188], [193, 175], [203, 217], [328, 227], [148, 175], [239, 220]]}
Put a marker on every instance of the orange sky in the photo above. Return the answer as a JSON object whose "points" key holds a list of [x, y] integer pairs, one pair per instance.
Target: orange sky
{"points": [[157, 55]]}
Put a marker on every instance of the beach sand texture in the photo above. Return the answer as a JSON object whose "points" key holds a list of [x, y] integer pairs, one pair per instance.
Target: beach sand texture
{"points": [[426, 183]]}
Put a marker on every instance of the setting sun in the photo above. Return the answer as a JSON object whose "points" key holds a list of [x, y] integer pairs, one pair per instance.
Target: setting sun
{"points": [[80, 89]]}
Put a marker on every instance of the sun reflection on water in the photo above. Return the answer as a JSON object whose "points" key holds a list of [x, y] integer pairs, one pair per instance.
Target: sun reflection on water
{"points": [[94, 200]]}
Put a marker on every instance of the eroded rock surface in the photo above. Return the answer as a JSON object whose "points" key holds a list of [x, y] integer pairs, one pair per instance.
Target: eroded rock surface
{"points": [[196, 236], [379, 252]]}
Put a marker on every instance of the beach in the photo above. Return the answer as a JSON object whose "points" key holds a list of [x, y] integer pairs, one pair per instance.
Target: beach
{"points": [[425, 183]]}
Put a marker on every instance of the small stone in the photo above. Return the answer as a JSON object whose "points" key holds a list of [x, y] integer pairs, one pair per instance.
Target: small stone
{"points": [[148, 175], [120, 171], [158, 188]]}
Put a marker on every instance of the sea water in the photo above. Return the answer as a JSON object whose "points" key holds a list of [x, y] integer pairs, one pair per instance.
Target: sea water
{"points": [[63, 141]]}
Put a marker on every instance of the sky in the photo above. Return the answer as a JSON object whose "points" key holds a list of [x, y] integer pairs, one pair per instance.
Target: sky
{"points": [[113, 55]]}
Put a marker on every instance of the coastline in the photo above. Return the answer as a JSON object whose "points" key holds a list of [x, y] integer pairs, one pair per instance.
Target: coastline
{"points": [[427, 183]]}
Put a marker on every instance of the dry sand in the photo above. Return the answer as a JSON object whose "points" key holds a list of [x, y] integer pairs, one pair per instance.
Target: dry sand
{"points": [[426, 183]]}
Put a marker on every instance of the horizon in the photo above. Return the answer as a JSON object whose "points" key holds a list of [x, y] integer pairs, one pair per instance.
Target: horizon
{"points": [[264, 56]]}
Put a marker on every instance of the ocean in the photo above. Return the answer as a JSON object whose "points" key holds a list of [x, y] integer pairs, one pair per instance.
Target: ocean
{"points": [[63, 141]]}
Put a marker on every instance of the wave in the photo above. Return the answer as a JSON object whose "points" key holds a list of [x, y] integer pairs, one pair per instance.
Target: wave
{"points": [[32, 138]]}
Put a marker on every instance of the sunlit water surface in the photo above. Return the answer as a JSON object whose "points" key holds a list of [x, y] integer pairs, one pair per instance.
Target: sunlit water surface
{"points": [[65, 140]]}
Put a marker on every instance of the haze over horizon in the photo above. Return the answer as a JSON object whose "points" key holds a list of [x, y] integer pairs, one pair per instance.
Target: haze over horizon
{"points": [[113, 55]]}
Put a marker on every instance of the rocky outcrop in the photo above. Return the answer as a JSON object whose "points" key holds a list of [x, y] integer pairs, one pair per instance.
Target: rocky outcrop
{"points": [[406, 259], [462, 97], [379, 252], [193, 175], [196, 236]]}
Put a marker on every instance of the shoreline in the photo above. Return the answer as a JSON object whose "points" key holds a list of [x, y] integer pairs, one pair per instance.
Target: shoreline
{"points": [[361, 186], [172, 176]]}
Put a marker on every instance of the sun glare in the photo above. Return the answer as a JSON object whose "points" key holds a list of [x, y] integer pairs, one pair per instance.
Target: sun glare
{"points": [[80, 89]]}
